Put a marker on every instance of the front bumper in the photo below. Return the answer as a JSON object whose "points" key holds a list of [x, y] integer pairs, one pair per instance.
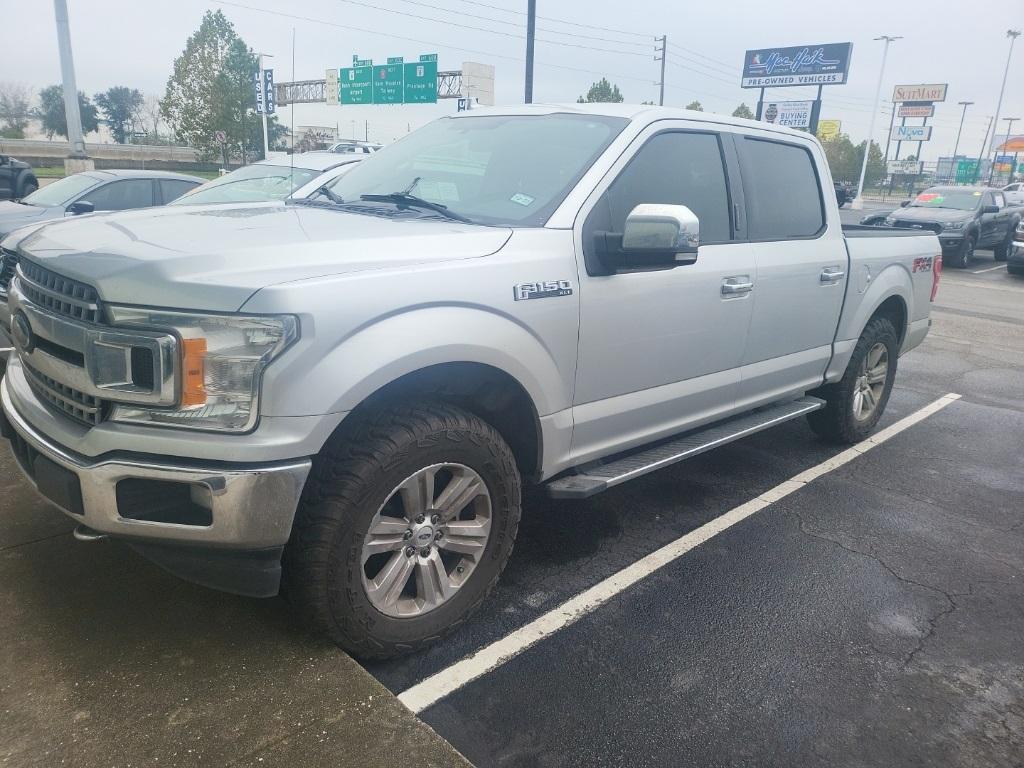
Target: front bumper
{"points": [[172, 510], [951, 241], [1016, 255]]}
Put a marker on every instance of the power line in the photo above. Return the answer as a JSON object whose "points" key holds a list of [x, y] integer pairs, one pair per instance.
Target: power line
{"points": [[557, 21]]}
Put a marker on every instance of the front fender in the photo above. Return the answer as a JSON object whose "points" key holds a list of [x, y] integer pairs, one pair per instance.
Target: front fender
{"points": [[390, 347]]}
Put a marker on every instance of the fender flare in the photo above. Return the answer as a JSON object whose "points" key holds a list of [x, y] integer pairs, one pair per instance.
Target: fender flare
{"points": [[22, 180]]}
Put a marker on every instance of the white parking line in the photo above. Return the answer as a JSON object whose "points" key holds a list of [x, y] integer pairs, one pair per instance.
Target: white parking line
{"points": [[447, 681], [990, 269]]}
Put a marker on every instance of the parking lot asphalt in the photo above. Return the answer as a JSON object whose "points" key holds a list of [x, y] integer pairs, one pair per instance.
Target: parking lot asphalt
{"points": [[871, 617]]}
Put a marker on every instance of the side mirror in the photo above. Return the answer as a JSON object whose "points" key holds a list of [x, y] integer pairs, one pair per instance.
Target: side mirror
{"points": [[904, 204], [79, 207], [990, 209], [654, 235]]}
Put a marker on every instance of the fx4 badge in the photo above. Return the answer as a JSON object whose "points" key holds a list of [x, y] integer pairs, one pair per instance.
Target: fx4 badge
{"points": [[543, 290], [922, 264]]}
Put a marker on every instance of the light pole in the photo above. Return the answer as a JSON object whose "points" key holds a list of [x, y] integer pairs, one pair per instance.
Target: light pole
{"points": [[1013, 34], [858, 201], [263, 84], [531, 28], [67, 72], [965, 105]]}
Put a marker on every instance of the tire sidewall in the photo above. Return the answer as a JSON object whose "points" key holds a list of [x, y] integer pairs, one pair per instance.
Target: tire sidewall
{"points": [[347, 597], [967, 251], [878, 330]]}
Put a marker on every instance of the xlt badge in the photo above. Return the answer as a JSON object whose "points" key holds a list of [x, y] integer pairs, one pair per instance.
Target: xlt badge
{"points": [[543, 290]]}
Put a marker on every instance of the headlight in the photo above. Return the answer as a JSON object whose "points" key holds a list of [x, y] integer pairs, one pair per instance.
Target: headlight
{"points": [[220, 364], [953, 226]]}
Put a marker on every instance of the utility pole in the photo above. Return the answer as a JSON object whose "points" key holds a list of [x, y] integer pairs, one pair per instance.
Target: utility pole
{"points": [[1013, 34], [965, 105], [661, 83], [981, 152], [531, 29], [79, 161], [263, 85], [858, 201]]}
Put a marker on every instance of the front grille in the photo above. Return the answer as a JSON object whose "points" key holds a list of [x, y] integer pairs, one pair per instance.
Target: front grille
{"points": [[8, 263], [936, 228], [81, 407], [58, 294]]}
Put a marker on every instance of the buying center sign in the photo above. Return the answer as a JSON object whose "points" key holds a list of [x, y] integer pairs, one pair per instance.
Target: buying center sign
{"points": [[792, 114], [824, 64]]}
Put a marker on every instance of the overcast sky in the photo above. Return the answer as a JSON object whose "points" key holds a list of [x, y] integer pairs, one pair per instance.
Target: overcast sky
{"points": [[133, 43]]}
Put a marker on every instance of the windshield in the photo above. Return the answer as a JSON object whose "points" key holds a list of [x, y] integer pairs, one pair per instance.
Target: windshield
{"points": [[501, 169], [250, 184], [960, 200], [61, 192]]}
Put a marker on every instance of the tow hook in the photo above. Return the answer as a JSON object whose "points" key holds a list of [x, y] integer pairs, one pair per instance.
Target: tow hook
{"points": [[85, 533]]}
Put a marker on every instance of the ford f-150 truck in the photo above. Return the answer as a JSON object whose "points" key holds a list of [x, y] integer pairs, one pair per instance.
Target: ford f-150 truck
{"points": [[342, 397]]}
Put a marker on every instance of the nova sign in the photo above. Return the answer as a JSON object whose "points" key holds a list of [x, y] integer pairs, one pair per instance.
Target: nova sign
{"points": [[826, 64], [911, 133]]}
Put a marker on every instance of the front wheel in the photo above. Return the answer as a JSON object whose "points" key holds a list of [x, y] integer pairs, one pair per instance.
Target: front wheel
{"points": [[856, 402], [966, 254], [405, 525]]}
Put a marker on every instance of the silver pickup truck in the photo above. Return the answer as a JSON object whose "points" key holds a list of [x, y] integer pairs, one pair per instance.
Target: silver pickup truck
{"points": [[341, 398]]}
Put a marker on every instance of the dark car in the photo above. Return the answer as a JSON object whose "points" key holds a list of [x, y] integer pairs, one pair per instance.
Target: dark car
{"points": [[844, 192], [16, 179], [1015, 259], [95, 191], [964, 218]]}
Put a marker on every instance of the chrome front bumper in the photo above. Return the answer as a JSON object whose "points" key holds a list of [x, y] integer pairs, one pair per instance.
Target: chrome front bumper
{"points": [[250, 506]]}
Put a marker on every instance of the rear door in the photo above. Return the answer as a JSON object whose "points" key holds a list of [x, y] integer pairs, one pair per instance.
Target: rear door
{"points": [[796, 242], [659, 348]]}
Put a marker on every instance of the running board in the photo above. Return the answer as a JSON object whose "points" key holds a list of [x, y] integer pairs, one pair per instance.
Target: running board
{"points": [[593, 478]]}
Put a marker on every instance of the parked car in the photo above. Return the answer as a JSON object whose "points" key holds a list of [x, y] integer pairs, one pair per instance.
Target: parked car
{"points": [[844, 192], [95, 191], [875, 219], [16, 179], [349, 392], [964, 218], [1014, 193], [354, 147], [273, 179], [1015, 260]]}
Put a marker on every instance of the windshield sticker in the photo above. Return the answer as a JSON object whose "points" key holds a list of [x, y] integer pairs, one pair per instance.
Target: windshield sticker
{"points": [[930, 197], [520, 199]]}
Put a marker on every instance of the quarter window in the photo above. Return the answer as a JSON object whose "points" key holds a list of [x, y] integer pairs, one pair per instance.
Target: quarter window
{"points": [[781, 190], [122, 195]]}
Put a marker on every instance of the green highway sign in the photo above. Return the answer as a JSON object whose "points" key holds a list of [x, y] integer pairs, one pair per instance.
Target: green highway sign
{"points": [[395, 59], [428, 57], [388, 84], [421, 82], [966, 170], [355, 85]]}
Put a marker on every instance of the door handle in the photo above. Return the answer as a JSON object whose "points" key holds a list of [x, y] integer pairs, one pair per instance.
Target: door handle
{"points": [[830, 275], [736, 286]]}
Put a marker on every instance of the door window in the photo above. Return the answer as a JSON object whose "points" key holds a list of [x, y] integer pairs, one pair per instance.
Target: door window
{"points": [[677, 168], [780, 185], [172, 189], [122, 195]]}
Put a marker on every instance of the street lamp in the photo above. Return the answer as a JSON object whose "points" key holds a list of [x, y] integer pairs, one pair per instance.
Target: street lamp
{"points": [[858, 201], [1013, 34], [965, 105]]}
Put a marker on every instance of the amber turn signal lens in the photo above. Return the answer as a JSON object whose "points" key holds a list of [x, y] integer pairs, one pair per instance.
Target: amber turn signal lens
{"points": [[193, 384]]}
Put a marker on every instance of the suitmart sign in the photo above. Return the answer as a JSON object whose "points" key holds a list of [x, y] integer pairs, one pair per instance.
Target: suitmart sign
{"points": [[923, 92], [824, 64]]}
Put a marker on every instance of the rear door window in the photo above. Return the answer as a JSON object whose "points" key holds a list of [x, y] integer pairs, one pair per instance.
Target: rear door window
{"points": [[172, 189], [782, 191]]}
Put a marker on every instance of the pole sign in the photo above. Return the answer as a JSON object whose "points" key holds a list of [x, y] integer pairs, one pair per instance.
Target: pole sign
{"points": [[397, 82], [258, 85], [904, 167], [826, 64], [792, 114], [916, 109], [911, 133], [829, 129], [925, 92], [268, 91]]}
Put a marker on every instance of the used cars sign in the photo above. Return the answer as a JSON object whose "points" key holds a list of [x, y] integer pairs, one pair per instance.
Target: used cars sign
{"points": [[825, 64]]}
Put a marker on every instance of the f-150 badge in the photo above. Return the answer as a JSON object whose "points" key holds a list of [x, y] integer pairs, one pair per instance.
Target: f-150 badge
{"points": [[543, 290]]}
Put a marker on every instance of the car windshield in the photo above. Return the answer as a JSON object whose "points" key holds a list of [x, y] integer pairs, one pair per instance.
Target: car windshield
{"points": [[250, 184], [960, 200], [494, 169], [61, 192]]}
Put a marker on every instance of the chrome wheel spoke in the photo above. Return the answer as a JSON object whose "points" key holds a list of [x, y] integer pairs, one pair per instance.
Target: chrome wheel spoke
{"points": [[877, 374], [869, 399], [858, 403], [418, 492], [386, 588], [433, 585], [467, 537], [461, 489]]}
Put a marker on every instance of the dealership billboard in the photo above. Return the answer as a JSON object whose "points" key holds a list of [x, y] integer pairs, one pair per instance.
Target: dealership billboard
{"points": [[916, 109], [824, 64], [922, 92], [911, 133], [792, 114]]}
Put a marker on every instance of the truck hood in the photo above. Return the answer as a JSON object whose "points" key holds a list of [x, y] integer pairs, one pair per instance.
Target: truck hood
{"points": [[933, 215], [215, 257]]}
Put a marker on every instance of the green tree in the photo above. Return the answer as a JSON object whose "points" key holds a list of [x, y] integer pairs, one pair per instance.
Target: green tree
{"points": [[696, 106], [51, 112], [211, 89], [15, 110], [602, 91], [743, 111], [122, 109], [845, 158]]}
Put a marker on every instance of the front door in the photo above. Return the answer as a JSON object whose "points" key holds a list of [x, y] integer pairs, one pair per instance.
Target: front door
{"points": [[659, 348]]}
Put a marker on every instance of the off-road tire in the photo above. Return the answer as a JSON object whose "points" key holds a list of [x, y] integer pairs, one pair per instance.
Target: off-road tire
{"points": [[965, 255], [350, 480], [1002, 251], [836, 422]]}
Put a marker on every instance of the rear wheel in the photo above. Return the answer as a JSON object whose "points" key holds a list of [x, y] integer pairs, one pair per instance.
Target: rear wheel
{"points": [[28, 188], [405, 526], [854, 404]]}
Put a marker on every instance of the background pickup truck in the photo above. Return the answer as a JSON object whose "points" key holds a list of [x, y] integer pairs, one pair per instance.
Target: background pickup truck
{"points": [[964, 218], [16, 179], [343, 396]]}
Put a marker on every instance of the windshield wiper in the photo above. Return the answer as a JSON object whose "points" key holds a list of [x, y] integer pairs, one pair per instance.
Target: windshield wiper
{"points": [[407, 200], [334, 197]]}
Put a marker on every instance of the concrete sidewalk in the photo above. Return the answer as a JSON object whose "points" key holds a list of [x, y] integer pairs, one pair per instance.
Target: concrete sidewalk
{"points": [[107, 661]]}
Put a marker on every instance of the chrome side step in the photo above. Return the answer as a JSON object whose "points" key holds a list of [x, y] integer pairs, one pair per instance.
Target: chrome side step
{"points": [[600, 476]]}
